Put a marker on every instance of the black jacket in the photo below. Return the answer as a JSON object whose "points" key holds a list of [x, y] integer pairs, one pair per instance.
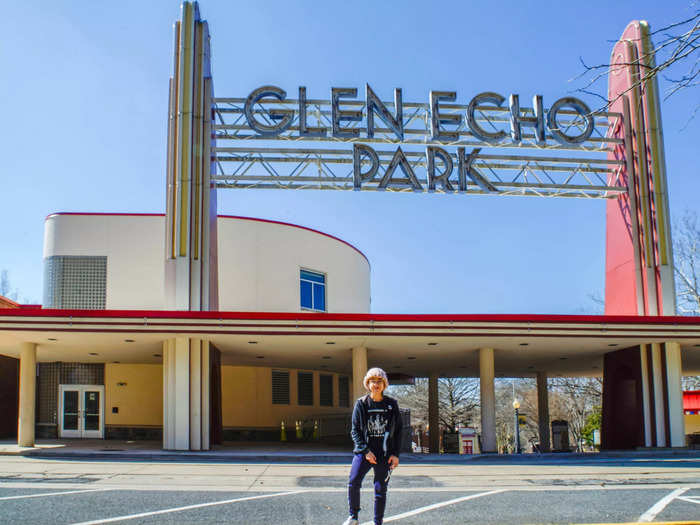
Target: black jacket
{"points": [[360, 415]]}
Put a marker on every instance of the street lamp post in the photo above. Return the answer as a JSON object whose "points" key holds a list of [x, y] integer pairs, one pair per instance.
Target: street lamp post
{"points": [[516, 406]]}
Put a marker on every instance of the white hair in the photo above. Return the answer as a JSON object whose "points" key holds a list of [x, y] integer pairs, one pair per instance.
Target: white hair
{"points": [[375, 372]]}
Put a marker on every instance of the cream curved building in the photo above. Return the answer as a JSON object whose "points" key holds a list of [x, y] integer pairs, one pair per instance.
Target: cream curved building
{"points": [[260, 263], [115, 262]]}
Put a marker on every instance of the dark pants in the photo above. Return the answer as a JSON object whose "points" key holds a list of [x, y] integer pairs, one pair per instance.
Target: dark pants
{"points": [[360, 467]]}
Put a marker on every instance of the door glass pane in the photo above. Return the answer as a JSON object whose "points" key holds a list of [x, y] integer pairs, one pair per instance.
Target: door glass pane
{"points": [[92, 410], [70, 410]]}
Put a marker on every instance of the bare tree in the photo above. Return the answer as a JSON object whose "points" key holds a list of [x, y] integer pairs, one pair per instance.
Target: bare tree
{"points": [[686, 254], [686, 264], [413, 397], [525, 391], [504, 418], [574, 399], [6, 287], [676, 54], [458, 398]]}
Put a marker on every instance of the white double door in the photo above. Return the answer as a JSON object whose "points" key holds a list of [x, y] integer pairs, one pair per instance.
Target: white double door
{"points": [[81, 409]]}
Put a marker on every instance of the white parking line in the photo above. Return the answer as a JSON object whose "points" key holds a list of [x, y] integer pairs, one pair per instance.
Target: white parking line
{"points": [[660, 505], [52, 494], [691, 499], [188, 507], [436, 506]]}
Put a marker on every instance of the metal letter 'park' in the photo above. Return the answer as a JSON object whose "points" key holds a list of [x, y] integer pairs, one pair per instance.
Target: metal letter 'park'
{"points": [[489, 145]]}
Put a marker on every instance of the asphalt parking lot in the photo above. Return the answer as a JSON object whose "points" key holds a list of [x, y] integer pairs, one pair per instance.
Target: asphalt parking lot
{"points": [[41, 491], [44, 505]]}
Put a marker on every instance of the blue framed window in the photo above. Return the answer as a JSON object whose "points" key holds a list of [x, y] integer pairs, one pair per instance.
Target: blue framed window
{"points": [[312, 289]]}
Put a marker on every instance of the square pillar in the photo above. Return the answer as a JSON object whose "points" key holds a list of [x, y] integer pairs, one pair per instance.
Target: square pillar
{"points": [[675, 394], [195, 394], [543, 411], [658, 381], [359, 369], [27, 395], [433, 414], [644, 360], [488, 400], [186, 394]]}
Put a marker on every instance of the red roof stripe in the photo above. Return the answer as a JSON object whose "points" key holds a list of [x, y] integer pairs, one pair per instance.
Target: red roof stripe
{"points": [[420, 318]]}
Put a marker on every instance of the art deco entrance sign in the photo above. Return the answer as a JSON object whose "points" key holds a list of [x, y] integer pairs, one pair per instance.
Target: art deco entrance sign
{"points": [[482, 143], [438, 145]]}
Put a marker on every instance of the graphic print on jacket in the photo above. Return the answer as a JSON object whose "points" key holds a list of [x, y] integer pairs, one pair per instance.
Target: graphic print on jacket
{"points": [[379, 416], [377, 425]]}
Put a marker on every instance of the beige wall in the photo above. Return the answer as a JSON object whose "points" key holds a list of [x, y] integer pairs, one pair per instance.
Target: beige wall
{"points": [[246, 393], [259, 265], [246, 396], [259, 262], [140, 400], [133, 245], [692, 423]]}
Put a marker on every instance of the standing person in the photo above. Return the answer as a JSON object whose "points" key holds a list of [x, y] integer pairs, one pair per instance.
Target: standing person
{"points": [[376, 434]]}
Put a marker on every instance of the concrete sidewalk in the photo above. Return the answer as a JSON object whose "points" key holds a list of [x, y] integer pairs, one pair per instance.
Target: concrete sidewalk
{"points": [[277, 452]]}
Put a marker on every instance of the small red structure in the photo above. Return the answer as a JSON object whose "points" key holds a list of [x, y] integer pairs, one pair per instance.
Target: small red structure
{"points": [[691, 402]]}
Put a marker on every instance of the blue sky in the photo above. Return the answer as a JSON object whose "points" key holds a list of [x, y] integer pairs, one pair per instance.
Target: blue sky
{"points": [[84, 105]]}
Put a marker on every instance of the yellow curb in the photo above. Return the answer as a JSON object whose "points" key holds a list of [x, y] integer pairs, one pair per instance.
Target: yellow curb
{"points": [[654, 523]]}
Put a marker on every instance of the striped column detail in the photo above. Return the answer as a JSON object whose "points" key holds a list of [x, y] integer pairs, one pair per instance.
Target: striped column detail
{"points": [[191, 270]]}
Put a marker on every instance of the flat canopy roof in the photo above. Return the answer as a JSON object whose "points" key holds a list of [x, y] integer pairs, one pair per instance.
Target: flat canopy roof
{"points": [[566, 345]]}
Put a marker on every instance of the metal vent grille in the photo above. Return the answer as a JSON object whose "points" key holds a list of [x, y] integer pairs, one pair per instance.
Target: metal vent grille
{"points": [[75, 282], [326, 384], [305, 388], [280, 387], [343, 391]]}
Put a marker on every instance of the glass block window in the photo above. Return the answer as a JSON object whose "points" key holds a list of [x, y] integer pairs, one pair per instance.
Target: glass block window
{"points": [[51, 375], [47, 392], [312, 288], [344, 391], [280, 387], [326, 387], [75, 282], [305, 388], [82, 374]]}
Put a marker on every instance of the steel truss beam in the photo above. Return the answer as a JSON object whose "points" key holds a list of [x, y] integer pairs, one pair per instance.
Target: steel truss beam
{"points": [[512, 168]]}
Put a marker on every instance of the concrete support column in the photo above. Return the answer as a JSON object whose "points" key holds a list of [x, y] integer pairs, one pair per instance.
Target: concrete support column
{"points": [[543, 411], [433, 414], [185, 394], [196, 394], [359, 369], [206, 393], [675, 394], [646, 395], [658, 401], [488, 400], [27, 395]]}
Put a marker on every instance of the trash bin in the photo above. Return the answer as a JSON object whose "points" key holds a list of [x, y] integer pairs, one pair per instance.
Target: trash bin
{"points": [[560, 436], [450, 442]]}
